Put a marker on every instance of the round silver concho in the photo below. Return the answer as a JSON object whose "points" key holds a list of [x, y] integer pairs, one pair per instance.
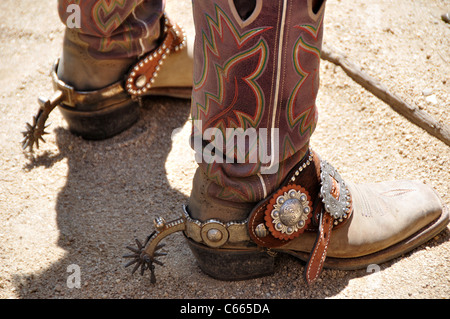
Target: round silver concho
{"points": [[290, 212], [214, 233]]}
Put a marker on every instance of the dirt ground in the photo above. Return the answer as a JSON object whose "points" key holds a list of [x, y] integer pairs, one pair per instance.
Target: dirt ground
{"points": [[80, 202]]}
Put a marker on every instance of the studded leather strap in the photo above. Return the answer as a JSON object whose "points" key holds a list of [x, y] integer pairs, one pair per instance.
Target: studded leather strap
{"points": [[143, 74], [263, 219], [319, 252], [327, 206]]}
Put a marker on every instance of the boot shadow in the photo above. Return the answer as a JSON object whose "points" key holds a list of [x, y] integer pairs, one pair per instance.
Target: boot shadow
{"points": [[114, 190]]}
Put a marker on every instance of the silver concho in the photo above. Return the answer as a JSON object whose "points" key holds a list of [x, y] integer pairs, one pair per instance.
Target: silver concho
{"points": [[338, 209], [290, 212]]}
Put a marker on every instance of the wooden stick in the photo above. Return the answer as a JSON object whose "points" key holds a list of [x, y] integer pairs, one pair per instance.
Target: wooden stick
{"points": [[411, 113]]}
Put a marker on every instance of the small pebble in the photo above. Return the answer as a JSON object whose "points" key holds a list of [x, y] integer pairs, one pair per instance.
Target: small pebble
{"points": [[427, 92]]}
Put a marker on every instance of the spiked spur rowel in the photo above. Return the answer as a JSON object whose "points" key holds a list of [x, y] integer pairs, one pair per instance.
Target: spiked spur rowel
{"points": [[30, 135], [34, 132], [140, 259], [144, 256]]}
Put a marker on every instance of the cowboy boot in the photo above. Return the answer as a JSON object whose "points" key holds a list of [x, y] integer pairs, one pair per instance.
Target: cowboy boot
{"points": [[99, 90], [258, 68]]}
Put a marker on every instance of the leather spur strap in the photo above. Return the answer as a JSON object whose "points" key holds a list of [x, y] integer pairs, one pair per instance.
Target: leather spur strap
{"points": [[313, 198], [337, 207], [289, 211], [143, 74], [319, 253]]}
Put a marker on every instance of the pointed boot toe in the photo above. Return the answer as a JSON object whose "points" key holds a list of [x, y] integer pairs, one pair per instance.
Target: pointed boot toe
{"points": [[389, 219]]}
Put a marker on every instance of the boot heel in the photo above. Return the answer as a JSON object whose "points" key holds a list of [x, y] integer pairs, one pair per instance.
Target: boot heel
{"points": [[101, 124], [232, 264]]}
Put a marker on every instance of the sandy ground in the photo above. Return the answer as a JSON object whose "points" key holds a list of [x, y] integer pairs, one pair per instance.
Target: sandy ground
{"points": [[80, 203]]}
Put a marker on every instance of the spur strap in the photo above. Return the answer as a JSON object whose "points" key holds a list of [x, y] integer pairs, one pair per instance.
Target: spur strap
{"points": [[303, 203], [319, 253], [142, 76]]}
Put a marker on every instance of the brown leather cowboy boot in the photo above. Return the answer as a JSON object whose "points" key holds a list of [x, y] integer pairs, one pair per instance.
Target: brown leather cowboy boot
{"points": [[258, 70], [101, 97]]}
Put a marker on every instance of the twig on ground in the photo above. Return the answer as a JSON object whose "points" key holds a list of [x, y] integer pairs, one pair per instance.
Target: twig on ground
{"points": [[410, 112]]}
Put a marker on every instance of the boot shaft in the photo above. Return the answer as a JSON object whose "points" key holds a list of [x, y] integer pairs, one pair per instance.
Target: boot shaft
{"points": [[256, 67], [113, 29]]}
